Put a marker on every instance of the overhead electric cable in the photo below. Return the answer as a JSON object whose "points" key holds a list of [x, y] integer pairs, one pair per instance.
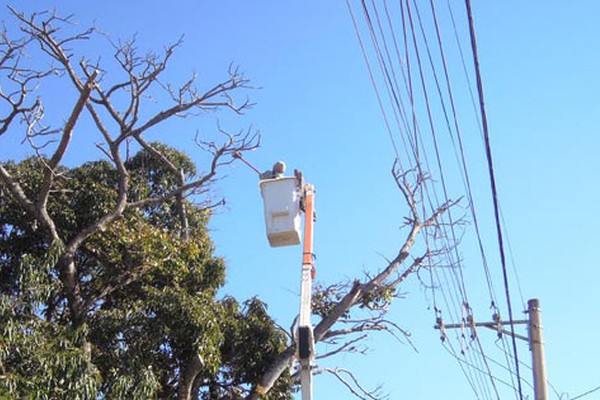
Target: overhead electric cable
{"points": [[462, 162], [434, 137], [475, 367], [484, 365], [392, 80], [512, 261], [408, 84], [493, 186], [446, 280], [465, 373], [383, 67], [586, 393], [401, 64], [529, 367], [374, 83], [464, 66], [384, 71], [510, 372], [392, 83], [458, 133], [459, 137], [461, 292]]}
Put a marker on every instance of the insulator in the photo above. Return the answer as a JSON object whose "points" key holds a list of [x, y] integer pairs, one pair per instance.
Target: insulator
{"points": [[440, 324], [471, 322], [498, 321]]}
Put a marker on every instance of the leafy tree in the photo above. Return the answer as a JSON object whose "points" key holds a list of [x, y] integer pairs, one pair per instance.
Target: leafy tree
{"points": [[148, 291], [108, 275]]}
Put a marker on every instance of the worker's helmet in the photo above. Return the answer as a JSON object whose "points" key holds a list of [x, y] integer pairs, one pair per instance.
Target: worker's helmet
{"points": [[279, 167]]}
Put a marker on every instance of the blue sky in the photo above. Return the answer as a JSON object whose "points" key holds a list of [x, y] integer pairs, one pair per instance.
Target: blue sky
{"points": [[316, 110]]}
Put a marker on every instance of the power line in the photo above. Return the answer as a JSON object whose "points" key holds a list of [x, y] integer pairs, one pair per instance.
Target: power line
{"points": [[481, 371], [586, 393], [493, 186], [430, 117], [373, 82], [452, 285], [459, 137]]}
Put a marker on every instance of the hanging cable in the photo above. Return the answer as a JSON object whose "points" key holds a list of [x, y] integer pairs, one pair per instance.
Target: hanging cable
{"points": [[464, 67], [388, 82], [460, 142], [373, 82], [512, 261], [458, 133], [483, 362], [493, 187], [586, 393], [453, 354], [446, 280]]}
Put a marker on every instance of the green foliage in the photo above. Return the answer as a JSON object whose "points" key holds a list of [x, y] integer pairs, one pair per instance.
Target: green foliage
{"points": [[379, 298], [244, 362], [150, 294], [324, 299], [38, 358]]}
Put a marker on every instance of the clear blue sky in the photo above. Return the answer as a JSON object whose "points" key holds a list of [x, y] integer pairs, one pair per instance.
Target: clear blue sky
{"points": [[316, 109]]}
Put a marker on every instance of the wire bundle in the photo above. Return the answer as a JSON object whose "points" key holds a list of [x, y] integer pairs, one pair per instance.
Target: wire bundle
{"points": [[420, 83]]}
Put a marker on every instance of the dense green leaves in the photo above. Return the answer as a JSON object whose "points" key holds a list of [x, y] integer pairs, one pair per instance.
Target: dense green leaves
{"points": [[42, 359], [149, 293]]}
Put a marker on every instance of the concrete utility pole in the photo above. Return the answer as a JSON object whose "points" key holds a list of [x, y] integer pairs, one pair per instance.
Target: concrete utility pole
{"points": [[535, 339], [536, 343]]}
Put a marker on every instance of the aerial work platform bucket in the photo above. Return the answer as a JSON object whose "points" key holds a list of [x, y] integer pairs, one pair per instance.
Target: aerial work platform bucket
{"points": [[281, 198]]}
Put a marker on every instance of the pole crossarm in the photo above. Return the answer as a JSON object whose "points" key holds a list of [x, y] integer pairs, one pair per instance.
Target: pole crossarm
{"points": [[484, 324], [496, 326]]}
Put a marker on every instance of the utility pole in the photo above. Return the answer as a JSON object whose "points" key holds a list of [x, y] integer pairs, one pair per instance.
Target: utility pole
{"points": [[536, 344], [305, 339], [535, 339]]}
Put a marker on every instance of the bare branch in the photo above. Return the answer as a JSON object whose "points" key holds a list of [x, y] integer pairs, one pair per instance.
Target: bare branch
{"points": [[347, 378], [19, 195], [18, 83], [347, 347], [204, 101], [63, 144], [233, 143]]}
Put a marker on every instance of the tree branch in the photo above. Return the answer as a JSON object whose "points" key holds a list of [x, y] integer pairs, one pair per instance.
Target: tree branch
{"points": [[49, 173], [353, 385], [187, 377], [21, 198]]}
